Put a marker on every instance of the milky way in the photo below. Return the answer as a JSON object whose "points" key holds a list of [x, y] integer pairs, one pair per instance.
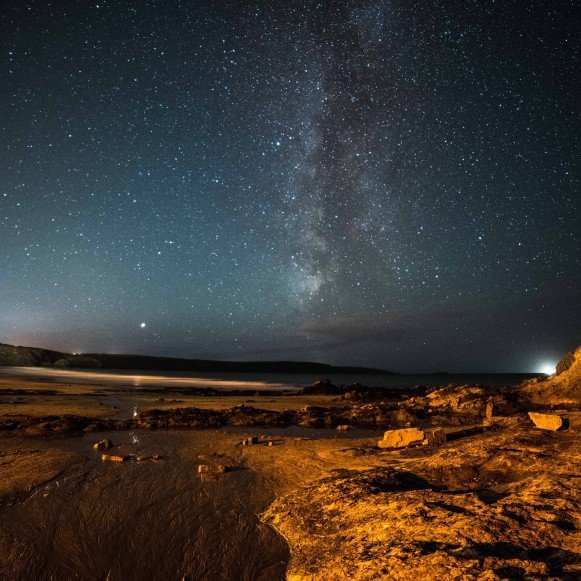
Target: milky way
{"points": [[385, 183]]}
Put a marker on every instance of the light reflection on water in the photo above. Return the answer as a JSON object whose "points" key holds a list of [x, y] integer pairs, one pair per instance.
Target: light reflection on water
{"points": [[249, 381], [151, 380]]}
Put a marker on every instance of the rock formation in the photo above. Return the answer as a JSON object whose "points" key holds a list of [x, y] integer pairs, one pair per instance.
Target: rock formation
{"points": [[562, 388], [14, 356], [505, 504]]}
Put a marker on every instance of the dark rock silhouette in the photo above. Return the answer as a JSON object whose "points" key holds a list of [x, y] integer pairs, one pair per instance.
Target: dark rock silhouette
{"points": [[11, 355]]}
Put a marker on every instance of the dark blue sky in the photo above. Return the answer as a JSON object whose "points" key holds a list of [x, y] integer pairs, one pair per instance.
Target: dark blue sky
{"points": [[383, 183]]}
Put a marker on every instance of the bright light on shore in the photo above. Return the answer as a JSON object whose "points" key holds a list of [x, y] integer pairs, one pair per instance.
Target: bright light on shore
{"points": [[548, 368]]}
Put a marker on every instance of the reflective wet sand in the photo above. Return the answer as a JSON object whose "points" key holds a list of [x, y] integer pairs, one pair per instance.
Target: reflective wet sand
{"points": [[156, 519]]}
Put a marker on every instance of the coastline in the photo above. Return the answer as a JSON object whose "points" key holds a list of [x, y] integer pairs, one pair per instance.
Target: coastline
{"points": [[306, 501]]}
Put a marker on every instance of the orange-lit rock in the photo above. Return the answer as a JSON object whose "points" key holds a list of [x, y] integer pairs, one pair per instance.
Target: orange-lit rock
{"points": [[105, 444], [114, 458], [548, 421], [401, 438], [210, 469], [562, 388]]}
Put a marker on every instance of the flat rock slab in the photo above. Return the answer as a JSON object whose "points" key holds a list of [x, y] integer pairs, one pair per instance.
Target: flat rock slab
{"points": [[401, 438], [548, 421]]}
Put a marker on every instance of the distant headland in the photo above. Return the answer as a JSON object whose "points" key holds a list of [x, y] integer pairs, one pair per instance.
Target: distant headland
{"points": [[18, 356]]}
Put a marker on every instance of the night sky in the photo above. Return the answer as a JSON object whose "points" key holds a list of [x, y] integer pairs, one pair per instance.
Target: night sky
{"points": [[383, 183]]}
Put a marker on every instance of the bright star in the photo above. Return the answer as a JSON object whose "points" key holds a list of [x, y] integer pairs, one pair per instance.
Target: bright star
{"points": [[142, 325]]}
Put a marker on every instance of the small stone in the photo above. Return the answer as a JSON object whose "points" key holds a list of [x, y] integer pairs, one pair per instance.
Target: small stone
{"points": [[210, 469], [105, 444], [343, 427], [114, 458], [143, 458], [434, 437], [250, 441], [271, 443], [401, 438], [551, 422]]}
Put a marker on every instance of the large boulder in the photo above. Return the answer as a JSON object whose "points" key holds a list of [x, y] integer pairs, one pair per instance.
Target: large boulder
{"points": [[565, 363], [457, 404], [401, 438], [551, 422], [561, 388], [114, 458], [212, 469], [322, 387]]}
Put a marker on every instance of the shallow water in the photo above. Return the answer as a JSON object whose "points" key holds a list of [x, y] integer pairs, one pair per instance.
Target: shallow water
{"points": [[250, 381], [156, 519]]}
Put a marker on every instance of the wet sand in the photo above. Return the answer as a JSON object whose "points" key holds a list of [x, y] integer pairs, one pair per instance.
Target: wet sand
{"points": [[66, 514], [20, 395]]}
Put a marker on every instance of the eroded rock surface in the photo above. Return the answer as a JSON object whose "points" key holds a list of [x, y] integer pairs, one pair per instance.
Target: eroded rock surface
{"points": [[562, 388], [504, 504]]}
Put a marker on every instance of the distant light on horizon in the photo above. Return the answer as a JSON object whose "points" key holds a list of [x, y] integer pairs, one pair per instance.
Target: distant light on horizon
{"points": [[548, 368]]}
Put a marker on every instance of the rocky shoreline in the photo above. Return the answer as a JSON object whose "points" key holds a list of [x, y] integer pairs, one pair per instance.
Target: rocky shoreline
{"points": [[469, 481], [503, 504], [358, 407]]}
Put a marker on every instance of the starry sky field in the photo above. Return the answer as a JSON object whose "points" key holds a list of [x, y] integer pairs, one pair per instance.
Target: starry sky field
{"points": [[389, 183]]}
